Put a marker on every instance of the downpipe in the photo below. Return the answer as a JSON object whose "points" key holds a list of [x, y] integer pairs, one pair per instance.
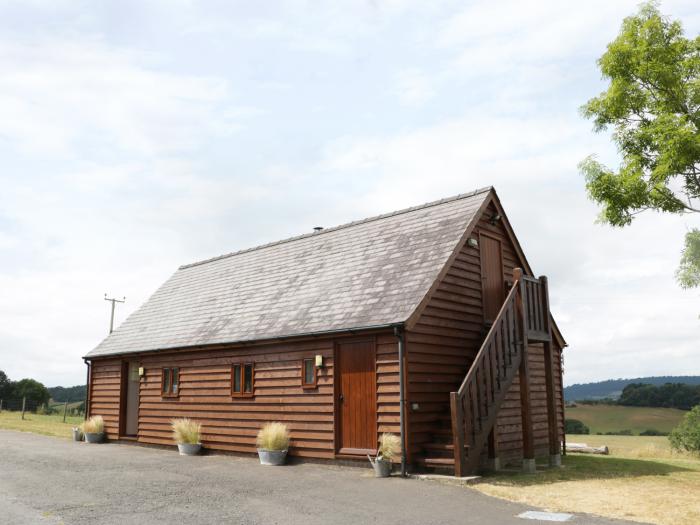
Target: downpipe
{"points": [[87, 389], [399, 333]]}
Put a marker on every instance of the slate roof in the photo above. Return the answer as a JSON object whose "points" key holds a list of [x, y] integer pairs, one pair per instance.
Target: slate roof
{"points": [[367, 273]]}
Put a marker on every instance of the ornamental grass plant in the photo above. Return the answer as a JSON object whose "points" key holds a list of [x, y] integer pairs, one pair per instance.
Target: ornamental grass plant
{"points": [[273, 436], [94, 425], [186, 431]]}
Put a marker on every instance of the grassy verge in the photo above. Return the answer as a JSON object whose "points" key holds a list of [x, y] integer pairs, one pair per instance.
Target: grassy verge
{"points": [[613, 418], [641, 480], [52, 425]]}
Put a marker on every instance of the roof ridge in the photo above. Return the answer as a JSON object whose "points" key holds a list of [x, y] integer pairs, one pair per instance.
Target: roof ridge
{"points": [[342, 226]]}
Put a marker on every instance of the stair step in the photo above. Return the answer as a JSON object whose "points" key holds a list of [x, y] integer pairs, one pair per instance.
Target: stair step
{"points": [[442, 435], [439, 462], [439, 450], [439, 446]]}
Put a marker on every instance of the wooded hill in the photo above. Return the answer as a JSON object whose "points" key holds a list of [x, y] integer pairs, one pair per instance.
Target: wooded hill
{"points": [[67, 393], [612, 388]]}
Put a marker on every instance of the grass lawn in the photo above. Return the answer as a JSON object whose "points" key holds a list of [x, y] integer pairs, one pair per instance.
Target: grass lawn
{"points": [[52, 425], [641, 480], [609, 418]]}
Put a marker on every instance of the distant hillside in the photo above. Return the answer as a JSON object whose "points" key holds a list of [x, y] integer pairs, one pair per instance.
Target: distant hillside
{"points": [[613, 387], [67, 393], [614, 418]]}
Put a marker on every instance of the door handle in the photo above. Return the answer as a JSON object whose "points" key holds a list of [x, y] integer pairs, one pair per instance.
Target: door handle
{"points": [[341, 398]]}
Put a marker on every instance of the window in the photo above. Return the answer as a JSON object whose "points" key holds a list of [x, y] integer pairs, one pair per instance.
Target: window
{"points": [[170, 382], [308, 373], [242, 378]]}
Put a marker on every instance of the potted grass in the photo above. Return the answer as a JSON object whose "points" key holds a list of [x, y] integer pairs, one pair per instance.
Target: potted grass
{"points": [[273, 443], [187, 434], [389, 447], [94, 429]]}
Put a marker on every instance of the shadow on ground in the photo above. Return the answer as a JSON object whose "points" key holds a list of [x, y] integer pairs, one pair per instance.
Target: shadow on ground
{"points": [[575, 467]]}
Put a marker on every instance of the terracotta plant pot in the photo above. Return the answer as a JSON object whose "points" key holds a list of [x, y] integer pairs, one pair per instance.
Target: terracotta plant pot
{"points": [[272, 457], [94, 437], [189, 449]]}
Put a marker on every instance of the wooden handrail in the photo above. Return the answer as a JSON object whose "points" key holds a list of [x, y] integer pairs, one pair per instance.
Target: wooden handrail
{"points": [[535, 299], [474, 406], [510, 299]]}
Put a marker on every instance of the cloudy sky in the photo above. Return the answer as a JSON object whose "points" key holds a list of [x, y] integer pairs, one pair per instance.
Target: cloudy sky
{"points": [[138, 136]]}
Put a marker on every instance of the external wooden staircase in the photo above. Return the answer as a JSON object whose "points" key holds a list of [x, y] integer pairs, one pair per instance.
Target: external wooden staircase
{"points": [[463, 433]]}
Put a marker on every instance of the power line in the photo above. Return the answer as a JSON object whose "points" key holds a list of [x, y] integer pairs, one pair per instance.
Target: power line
{"points": [[113, 301]]}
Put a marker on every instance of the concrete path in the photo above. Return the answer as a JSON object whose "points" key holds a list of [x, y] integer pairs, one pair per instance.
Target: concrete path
{"points": [[52, 481]]}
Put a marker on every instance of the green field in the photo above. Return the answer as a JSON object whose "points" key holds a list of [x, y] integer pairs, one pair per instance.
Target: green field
{"points": [[642, 479], [51, 425], [612, 418]]}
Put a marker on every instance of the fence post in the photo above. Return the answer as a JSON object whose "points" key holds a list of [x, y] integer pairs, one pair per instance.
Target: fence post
{"points": [[24, 399], [0, 405], [65, 409]]}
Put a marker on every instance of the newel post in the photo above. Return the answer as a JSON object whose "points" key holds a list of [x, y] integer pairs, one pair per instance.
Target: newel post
{"points": [[524, 379], [549, 363], [458, 434]]}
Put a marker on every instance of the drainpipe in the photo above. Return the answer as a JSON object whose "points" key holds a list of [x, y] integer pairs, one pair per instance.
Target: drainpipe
{"points": [[87, 389], [399, 333]]}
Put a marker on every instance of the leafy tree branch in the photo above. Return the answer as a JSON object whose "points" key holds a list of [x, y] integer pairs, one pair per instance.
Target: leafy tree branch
{"points": [[652, 105]]}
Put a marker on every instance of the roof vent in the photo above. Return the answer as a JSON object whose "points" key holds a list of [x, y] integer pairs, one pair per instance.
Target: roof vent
{"points": [[317, 229]]}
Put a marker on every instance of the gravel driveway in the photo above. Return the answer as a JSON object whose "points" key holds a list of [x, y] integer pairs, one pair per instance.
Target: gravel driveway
{"points": [[50, 480]]}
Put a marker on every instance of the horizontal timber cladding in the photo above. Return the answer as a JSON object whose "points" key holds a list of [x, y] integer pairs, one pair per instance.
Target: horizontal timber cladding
{"points": [[509, 421], [448, 334], [231, 423], [105, 385]]}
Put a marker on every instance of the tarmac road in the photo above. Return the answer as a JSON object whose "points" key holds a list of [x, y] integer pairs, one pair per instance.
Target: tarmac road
{"points": [[50, 480]]}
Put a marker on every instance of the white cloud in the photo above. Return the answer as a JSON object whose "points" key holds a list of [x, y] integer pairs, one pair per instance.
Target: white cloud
{"points": [[132, 147], [83, 98], [414, 87]]}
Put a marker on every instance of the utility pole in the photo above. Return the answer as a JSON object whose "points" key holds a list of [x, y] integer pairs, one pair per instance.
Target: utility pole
{"points": [[111, 319]]}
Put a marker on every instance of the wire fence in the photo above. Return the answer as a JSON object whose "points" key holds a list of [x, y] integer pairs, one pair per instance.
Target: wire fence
{"points": [[26, 405]]}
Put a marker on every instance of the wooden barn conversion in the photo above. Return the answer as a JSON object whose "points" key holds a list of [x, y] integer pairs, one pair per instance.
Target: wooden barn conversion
{"points": [[427, 322]]}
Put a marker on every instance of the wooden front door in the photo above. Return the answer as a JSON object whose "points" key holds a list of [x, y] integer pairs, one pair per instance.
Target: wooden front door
{"points": [[356, 397], [492, 285], [131, 412]]}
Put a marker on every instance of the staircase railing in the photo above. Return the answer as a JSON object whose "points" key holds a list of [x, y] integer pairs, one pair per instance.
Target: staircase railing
{"points": [[474, 407], [536, 307]]}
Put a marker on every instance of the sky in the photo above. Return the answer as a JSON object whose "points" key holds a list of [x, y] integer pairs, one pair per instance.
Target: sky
{"points": [[139, 136]]}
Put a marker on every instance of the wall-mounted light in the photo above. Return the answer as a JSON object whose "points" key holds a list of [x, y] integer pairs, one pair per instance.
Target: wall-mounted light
{"points": [[495, 218], [142, 371], [319, 361], [472, 242]]}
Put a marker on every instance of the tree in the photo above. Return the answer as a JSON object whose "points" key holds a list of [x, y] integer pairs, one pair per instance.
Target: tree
{"points": [[653, 105], [6, 386], [35, 392], [670, 395], [574, 426], [70, 393], [686, 436]]}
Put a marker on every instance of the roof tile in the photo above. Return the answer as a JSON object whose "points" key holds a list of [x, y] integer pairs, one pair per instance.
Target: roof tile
{"points": [[366, 273]]}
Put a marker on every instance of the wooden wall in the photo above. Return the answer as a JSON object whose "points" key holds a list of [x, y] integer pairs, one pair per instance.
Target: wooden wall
{"points": [[232, 423], [509, 423], [439, 349], [105, 381], [448, 335]]}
